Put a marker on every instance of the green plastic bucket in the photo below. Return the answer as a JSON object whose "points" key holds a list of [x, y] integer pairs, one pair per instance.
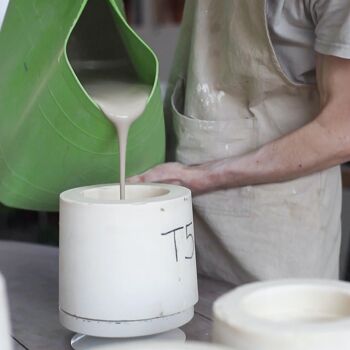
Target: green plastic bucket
{"points": [[52, 135]]}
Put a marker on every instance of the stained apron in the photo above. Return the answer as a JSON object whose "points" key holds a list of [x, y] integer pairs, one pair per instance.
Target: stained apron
{"points": [[228, 96]]}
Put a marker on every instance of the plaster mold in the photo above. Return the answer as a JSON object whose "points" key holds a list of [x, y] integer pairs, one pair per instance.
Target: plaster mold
{"points": [[127, 268], [288, 315]]}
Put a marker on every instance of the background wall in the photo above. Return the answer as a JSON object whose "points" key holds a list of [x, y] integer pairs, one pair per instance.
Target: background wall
{"points": [[157, 21]]}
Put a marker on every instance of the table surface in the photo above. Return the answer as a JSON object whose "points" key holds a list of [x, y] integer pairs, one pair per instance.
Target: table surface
{"points": [[31, 272]]}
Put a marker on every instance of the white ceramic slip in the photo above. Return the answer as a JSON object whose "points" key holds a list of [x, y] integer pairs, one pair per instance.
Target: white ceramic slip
{"points": [[5, 333], [288, 315], [127, 268]]}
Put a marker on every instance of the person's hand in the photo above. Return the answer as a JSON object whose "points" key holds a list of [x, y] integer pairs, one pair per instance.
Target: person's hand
{"points": [[195, 177]]}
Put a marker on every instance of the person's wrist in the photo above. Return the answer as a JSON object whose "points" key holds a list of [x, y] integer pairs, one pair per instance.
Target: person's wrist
{"points": [[205, 178], [219, 174]]}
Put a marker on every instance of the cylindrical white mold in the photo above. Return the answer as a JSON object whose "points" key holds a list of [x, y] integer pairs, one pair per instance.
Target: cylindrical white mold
{"points": [[288, 315], [5, 332], [127, 268]]}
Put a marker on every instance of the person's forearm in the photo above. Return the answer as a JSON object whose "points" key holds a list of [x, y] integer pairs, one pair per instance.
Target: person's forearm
{"points": [[318, 145]]}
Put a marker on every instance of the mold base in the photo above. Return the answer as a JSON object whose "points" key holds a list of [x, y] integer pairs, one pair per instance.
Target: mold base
{"points": [[128, 329], [84, 342]]}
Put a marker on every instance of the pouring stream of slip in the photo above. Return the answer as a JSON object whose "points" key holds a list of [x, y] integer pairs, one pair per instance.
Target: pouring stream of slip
{"points": [[122, 102]]}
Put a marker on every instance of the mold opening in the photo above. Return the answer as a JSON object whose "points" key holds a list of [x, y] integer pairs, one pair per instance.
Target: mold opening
{"points": [[96, 51], [299, 304], [132, 193]]}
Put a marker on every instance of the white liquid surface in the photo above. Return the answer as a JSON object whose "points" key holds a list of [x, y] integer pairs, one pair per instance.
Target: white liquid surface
{"points": [[122, 102]]}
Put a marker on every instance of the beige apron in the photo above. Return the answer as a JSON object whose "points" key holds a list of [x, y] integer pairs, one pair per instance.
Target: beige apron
{"points": [[230, 96]]}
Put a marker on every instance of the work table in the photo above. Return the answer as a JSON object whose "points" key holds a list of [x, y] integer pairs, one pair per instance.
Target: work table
{"points": [[31, 272]]}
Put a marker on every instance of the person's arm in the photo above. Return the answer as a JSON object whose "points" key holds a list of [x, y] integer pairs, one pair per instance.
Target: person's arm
{"points": [[321, 144]]}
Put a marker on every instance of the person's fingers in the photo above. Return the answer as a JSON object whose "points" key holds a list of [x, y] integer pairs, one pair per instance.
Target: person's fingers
{"points": [[134, 179], [167, 173], [152, 175]]}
